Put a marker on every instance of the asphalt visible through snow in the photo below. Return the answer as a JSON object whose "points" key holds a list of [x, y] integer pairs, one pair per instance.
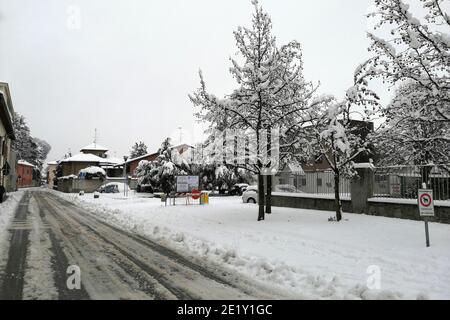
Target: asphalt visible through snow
{"points": [[113, 264]]}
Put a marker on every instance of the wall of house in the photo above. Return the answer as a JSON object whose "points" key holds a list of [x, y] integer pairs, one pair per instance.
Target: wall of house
{"points": [[69, 168], [132, 165], [97, 153], [51, 175], [3, 140], [24, 175], [7, 155], [76, 185]]}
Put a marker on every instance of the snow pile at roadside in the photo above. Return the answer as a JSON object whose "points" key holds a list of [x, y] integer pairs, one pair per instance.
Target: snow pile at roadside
{"points": [[7, 210], [297, 250]]}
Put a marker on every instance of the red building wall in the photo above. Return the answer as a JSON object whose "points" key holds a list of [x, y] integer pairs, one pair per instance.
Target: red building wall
{"points": [[132, 165], [24, 176]]}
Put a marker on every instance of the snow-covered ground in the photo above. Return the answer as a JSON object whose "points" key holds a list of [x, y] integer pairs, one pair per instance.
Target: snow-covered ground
{"points": [[298, 250], [7, 210]]}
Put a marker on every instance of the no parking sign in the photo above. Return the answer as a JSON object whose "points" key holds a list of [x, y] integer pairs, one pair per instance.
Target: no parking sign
{"points": [[426, 209], [426, 206]]}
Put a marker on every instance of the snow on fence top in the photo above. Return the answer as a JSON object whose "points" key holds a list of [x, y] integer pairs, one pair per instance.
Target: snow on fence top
{"points": [[310, 195]]}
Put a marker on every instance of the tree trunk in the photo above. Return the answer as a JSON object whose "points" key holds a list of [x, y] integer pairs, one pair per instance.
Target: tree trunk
{"points": [[337, 197], [269, 194], [426, 176], [260, 197]]}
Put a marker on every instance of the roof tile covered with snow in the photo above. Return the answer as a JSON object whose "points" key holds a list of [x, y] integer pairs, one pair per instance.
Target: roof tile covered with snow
{"points": [[84, 157], [25, 163]]}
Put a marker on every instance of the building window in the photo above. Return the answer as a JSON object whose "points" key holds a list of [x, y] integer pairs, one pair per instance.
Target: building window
{"points": [[304, 182], [319, 182]]}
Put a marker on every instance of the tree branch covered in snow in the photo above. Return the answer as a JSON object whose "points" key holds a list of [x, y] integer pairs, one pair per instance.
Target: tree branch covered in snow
{"points": [[28, 148], [418, 50], [161, 173], [409, 136], [339, 139], [138, 149]]}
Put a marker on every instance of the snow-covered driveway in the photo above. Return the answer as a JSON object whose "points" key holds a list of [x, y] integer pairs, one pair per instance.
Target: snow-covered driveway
{"points": [[51, 238], [295, 249]]}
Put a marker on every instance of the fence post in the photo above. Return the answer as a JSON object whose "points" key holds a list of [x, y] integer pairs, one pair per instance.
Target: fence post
{"points": [[361, 187]]}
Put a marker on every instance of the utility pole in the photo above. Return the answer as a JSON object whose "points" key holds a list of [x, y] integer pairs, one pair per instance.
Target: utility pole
{"points": [[181, 134], [125, 178], [95, 136]]}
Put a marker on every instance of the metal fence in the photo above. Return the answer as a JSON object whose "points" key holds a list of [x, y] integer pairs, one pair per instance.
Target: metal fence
{"points": [[316, 182], [404, 181]]}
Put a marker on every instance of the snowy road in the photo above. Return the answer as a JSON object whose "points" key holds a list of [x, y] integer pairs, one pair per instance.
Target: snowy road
{"points": [[49, 234]]}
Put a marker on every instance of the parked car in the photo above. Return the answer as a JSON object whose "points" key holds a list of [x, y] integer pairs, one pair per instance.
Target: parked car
{"points": [[238, 189], [144, 188], [250, 195], [113, 187]]}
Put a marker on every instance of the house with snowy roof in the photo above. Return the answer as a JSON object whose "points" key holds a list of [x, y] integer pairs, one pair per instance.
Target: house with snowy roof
{"points": [[95, 149], [27, 174], [51, 173], [85, 159], [314, 175]]}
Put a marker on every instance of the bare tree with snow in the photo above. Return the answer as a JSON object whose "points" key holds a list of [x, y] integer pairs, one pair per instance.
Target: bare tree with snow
{"points": [[339, 139], [271, 92]]}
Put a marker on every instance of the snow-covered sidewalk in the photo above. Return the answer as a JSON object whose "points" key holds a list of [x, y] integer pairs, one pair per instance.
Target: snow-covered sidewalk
{"points": [[7, 210], [298, 250]]}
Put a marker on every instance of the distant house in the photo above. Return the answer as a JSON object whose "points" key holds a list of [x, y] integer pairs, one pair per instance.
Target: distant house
{"points": [[7, 155], [51, 173], [132, 164], [289, 174], [25, 174], [73, 165], [92, 155], [314, 175], [95, 149]]}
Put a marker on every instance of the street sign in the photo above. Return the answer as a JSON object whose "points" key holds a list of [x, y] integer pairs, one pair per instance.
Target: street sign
{"points": [[426, 209], [426, 205], [187, 183]]}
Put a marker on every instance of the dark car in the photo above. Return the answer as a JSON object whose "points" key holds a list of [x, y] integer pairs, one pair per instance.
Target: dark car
{"points": [[238, 189], [144, 188]]}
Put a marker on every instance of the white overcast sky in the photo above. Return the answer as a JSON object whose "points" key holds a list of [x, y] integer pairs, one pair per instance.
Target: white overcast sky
{"points": [[126, 67]]}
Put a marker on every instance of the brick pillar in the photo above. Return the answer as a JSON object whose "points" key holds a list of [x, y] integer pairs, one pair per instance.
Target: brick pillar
{"points": [[361, 187]]}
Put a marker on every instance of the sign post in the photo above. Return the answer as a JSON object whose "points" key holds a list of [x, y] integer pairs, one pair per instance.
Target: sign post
{"points": [[426, 209]]}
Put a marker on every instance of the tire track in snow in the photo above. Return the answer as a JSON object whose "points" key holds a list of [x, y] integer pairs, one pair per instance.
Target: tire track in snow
{"points": [[101, 276], [13, 278], [170, 269]]}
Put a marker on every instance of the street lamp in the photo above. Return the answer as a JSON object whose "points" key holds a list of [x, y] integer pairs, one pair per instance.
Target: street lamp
{"points": [[125, 178]]}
